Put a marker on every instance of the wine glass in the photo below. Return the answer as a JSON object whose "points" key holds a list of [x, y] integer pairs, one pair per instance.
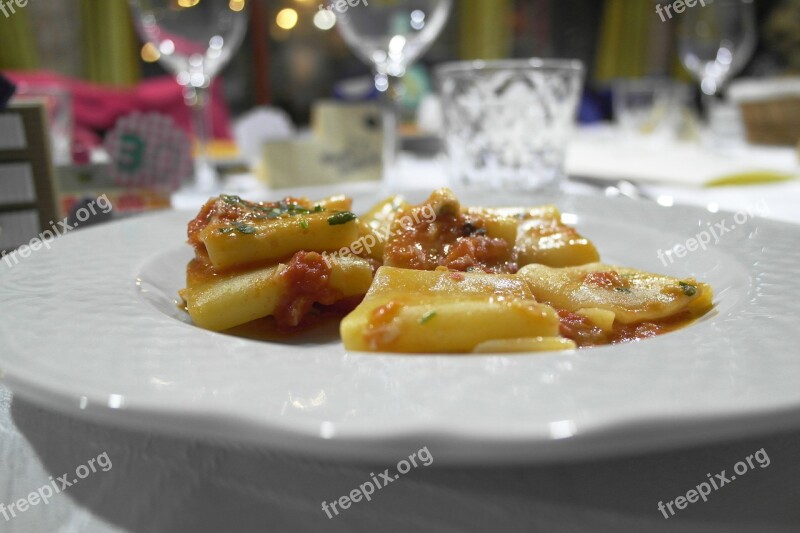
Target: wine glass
{"points": [[716, 41], [390, 35], [195, 40]]}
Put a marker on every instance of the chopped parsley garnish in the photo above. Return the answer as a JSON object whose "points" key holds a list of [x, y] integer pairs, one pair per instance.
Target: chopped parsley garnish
{"points": [[688, 289], [318, 209], [622, 289], [304, 223], [342, 217], [245, 229], [231, 199], [427, 317], [274, 211], [269, 211], [295, 209]]}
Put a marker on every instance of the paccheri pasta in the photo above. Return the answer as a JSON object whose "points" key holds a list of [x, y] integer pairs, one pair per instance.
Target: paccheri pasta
{"points": [[430, 278]]}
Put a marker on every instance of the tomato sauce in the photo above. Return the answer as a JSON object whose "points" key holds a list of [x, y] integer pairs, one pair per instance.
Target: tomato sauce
{"points": [[585, 334], [307, 282], [453, 240], [381, 330]]}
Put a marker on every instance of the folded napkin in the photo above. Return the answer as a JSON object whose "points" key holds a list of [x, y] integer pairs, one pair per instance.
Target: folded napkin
{"points": [[96, 108], [604, 154]]}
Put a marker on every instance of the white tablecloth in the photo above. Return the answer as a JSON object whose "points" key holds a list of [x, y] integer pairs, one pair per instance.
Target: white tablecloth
{"points": [[158, 483], [161, 483]]}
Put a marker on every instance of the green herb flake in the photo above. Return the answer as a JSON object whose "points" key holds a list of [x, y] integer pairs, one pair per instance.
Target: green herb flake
{"points": [[688, 289], [295, 209], [427, 317], [226, 231], [245, 229], [622, 289], [318, 209], [342, 217], [304, 223], [231, 199]]}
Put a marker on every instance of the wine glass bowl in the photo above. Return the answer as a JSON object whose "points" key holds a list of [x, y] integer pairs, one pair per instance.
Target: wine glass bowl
{"points": [[716, 41], [194, 40], [393, 36], [390, 35]]}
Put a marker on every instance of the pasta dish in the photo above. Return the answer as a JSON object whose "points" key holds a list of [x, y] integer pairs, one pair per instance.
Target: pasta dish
{"points": [[437, 277]]}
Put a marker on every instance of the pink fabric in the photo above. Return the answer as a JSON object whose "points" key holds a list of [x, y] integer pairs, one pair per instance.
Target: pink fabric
{"points": [[97, 107]]}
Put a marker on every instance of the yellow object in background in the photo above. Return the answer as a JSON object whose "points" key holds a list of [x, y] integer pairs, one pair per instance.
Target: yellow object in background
{"points": [[17, 46], [484, 31], [110, 45], [624, 39], [750, 178], [635, 43], [221, 149]]}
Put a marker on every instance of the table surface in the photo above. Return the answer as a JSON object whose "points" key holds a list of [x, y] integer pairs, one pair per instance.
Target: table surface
{"points": [[163, 483]]}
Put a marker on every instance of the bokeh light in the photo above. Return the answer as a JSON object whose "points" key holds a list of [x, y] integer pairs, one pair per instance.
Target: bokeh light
{"points": [[287, 18]]}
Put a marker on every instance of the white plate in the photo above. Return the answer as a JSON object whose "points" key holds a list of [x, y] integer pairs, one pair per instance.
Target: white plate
{"points": [[90, 328]]}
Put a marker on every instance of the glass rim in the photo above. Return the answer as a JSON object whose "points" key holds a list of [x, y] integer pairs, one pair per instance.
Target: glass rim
{"points": [[534, 63]]}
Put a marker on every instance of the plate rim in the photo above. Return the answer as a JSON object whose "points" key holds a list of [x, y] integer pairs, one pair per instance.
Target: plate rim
{"points": [[521, 448]]}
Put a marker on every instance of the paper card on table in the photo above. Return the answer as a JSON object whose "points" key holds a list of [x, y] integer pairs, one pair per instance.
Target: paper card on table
{"points": [[345, 146]]}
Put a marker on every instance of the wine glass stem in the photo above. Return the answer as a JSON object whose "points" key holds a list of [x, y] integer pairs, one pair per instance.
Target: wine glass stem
{"points": [[390, 99], [198, 100], [709, 103]]}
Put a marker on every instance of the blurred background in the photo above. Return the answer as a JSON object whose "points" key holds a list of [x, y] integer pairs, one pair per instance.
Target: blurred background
{"points": [[674, 97], [289, 60]]}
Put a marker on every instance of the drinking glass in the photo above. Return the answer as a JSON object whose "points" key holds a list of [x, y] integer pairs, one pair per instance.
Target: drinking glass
{"points": [[716, 41], [507, 123], [195, 40], [650, 107], [390, 35]]}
